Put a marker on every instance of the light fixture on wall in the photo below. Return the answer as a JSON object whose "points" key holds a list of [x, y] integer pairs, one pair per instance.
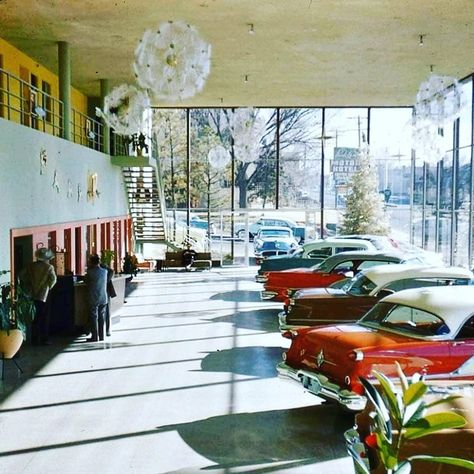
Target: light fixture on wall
{"points": [[421, 42], [246, 78], [251, 28]]}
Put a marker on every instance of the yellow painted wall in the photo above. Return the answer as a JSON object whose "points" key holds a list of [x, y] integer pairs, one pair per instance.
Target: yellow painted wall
{"points": [[13, 60]]}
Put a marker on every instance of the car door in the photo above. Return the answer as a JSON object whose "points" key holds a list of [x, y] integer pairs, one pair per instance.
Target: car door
{"points": [[462, 349]]}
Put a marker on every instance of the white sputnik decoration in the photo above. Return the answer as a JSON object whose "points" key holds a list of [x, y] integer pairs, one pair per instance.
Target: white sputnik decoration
{"points": [[247, 130], [218, 157], [438, 102], [173, 62], [123, 109]]}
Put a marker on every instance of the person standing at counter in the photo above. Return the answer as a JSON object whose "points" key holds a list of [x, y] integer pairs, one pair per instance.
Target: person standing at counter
{"points": [[96, 282], [111, 293], [37, 279]]}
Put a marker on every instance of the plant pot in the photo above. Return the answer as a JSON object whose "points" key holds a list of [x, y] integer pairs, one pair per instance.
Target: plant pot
{"points": [[10, 342]]}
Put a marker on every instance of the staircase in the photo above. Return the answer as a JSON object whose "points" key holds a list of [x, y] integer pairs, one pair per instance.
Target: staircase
{"points": [[145, 205]]}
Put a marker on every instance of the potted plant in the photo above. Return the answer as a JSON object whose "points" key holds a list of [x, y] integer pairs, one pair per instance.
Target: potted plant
{"points": [[17, 312], [400, 415], [107, 256]]}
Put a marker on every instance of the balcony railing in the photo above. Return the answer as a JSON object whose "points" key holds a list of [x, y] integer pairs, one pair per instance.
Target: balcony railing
{"points": [[86, 131], [23, 103]]}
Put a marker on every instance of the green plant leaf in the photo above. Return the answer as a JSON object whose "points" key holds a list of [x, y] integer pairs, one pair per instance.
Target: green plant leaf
{"points": [[389, 392], [432, 423], [413, 413], [445, 460], [379, 405], [403, 468], [441, 400], [402, 377], [386, 451], [414, 392]]}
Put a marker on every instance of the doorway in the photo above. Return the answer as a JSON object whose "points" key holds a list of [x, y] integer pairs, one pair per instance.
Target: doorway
{"points": [[22, 253]]}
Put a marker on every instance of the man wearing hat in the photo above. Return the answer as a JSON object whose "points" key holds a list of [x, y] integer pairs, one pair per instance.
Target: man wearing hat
{"points": [[37, 279]]}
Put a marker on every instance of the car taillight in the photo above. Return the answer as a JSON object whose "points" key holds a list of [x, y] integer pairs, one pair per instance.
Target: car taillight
{"points": [[356, 355], [290, 334]]}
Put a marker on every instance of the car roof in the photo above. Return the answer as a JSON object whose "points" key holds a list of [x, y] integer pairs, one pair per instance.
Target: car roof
{"points": [[454, 304], [382, 275], [342, 242], [364, 255]]}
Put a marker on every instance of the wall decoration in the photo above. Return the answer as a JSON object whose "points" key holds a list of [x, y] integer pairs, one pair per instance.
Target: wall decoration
{"points": [[91, 186], [79, 192], [172, 62], [56, 182], [124, 108], [43, 159], [69, 188]]}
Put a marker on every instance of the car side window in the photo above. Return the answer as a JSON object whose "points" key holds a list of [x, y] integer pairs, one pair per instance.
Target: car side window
{"points": [[347, 249], [322, 252], [343, 267], [467, 329], [372, 263], [416, 321]]}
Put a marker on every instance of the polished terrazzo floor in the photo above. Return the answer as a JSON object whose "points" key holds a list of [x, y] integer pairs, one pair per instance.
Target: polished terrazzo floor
{"points": [[186, 383]]}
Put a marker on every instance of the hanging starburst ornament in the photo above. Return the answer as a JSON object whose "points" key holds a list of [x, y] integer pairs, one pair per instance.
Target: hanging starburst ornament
{"points": [[247, 129], [218, 157], [173, 62], [123, 110], [438, 103]]}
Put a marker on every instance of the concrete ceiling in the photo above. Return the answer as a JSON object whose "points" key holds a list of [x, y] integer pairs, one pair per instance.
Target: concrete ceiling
{"points": [[302, 52]]}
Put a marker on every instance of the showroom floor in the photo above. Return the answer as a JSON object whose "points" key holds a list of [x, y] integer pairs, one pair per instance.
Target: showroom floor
{"points": [[187, 382]]}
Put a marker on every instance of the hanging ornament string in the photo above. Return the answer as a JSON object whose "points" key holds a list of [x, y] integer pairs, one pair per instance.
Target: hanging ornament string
{"points": [[173, 62], [438, 103], [247, 129], [218, 157], [123, 110]]}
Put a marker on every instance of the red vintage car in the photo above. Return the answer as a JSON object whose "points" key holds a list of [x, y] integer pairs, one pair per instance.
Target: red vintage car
{"points": [[278, 284], [426, 330], [318, 306]]}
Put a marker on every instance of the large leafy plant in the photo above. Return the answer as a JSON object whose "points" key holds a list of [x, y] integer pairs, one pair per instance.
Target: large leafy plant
{"points": [[400, 415], [17, 309]]}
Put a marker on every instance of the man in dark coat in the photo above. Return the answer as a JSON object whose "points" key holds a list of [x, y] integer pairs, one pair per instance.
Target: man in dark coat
{"points": [[96, 281]]}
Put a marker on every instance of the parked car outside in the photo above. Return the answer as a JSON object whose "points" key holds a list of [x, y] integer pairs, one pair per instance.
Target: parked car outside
{"points": [[448, 442], [318, 306], [274, 241], [199, 223], [279, 285], [298, 230], [310, 254], [426, 330]]}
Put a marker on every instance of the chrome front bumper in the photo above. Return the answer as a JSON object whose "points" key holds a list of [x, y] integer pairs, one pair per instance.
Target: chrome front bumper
{"points": [[261, 278], [267, 295], [357, 452], [319, 385], [287, 327]]}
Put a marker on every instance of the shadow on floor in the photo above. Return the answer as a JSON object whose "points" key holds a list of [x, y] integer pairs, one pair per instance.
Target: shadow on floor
{"points": [[259, 320], [239, 296], [31, 359], [299, 434], [258, 361]]}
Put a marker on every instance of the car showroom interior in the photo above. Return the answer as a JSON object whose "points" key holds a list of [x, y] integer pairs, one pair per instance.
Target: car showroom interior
{"points": [[237, 236]]}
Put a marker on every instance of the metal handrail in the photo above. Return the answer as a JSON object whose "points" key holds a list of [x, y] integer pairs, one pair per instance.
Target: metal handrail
{"points": [[23, 103], [86, 131]]}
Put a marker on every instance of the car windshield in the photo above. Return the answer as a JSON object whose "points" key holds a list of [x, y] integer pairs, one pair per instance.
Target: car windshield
{"points": [[411, 321], [360, 285], [273, 233]]}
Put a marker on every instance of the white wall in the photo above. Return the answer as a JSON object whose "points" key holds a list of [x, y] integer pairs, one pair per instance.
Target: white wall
{"points": [[28, 198]]}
